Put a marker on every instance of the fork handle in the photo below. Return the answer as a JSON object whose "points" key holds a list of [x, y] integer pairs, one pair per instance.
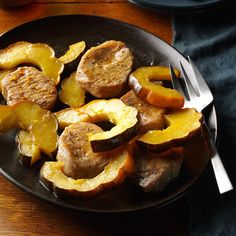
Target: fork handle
{"points": [[223, 182]]}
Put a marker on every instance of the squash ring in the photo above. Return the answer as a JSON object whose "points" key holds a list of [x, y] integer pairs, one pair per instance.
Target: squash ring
{"points": [[114, 173], [124, 117], [155, 94], [182, 125]]}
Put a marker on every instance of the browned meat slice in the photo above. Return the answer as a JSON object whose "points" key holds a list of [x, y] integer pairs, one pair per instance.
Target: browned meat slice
{"points": [[75, 151], [151, 117], [154, 171], [28, 83], [104, 69]]}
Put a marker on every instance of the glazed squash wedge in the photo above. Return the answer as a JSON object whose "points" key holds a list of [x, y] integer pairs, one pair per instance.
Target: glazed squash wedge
{"points": [[41, 124], [38, 54], [141, 82], [69, 116], [181, 126], [71, 92], [114, 173], [114, 110], [74, 51], [28, 151]]}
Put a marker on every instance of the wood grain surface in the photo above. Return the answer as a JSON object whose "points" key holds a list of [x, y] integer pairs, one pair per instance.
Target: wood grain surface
{"points": [[23, 214], [156, 22]]}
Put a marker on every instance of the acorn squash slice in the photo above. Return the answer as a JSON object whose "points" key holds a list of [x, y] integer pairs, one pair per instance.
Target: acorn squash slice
{"points": [[119, 167], [69, 116], [141, 82], [114, 110], [28, 151], [74, 51], [41, 124], [181, 126], [71, 92], [38, 54], [122, 116]]}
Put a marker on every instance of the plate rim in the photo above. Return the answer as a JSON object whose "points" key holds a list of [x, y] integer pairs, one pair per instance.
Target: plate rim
{"points": [[197, 7]]}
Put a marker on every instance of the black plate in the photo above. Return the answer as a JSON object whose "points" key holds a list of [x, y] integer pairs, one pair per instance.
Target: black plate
{"points": [[61, 31], [180, 5]]}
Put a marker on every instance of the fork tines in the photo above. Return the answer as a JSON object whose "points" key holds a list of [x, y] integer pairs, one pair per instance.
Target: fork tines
{"points": [[189, 93], [175, 81]]}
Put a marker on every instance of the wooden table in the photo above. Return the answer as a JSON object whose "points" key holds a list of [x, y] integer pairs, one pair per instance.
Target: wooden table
{"points": [[23, 214]]}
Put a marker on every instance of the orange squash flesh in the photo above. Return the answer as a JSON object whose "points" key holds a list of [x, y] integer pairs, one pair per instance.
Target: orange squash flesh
{"points": [[118, 168], [141, 82], [182, 125]]}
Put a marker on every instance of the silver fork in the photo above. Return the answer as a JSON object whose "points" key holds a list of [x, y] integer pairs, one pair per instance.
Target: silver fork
{"points": [[199, 96]]}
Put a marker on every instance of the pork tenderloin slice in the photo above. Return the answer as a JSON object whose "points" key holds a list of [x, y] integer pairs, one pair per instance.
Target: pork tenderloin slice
{"points": [[154, 171], [150, 117], [75, 151], [28, 83], [104, 69]]}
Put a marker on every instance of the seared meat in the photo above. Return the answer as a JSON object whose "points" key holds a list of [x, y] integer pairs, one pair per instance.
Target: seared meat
{"points": [[153, 171], [150, 117], [28, 83], [103, 70], [75, 151]]}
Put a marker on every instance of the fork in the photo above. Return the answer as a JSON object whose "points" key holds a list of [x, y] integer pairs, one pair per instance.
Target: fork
{"points": [[198, 95]]}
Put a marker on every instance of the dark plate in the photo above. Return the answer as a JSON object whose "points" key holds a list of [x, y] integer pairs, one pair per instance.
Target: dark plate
{"points": [[180, 5], [61, 31]]}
